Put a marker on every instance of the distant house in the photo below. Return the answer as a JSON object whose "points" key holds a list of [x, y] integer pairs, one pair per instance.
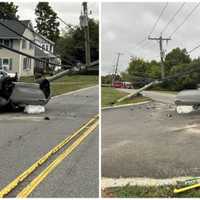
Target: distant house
{"points": [[45, 53], [22, 65], [13, 62]]}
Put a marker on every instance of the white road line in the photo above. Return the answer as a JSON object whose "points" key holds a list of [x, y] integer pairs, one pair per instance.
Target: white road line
{"points": [[120, 182], [125, 105], [74, 92]]}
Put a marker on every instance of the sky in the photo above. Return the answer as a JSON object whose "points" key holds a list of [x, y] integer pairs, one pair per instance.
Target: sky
{"points": [[124, 25], [68, 11]]}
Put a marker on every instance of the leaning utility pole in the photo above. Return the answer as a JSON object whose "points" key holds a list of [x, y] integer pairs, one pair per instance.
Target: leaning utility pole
{"points": [[162, 53], [84, 24], [116, 67]]}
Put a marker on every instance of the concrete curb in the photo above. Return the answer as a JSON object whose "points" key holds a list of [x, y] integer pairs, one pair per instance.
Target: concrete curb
{"points": [[74, 92], [120, 182], [125, 105]]}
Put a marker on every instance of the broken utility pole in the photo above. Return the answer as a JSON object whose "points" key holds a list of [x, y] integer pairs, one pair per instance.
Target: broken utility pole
{"points": [[84, 24], [116, 67], [162, 53]]}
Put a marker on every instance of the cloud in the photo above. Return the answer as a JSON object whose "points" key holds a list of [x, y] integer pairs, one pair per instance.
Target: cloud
{"points": [[131, 22], [68, 11]]}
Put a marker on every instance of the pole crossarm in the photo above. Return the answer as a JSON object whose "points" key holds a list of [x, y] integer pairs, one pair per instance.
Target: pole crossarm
{"points": [[162, 53]]}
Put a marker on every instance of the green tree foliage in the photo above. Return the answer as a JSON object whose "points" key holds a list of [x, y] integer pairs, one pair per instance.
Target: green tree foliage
{"points": [[46, 21], [71, 46], [176, 57], [176, 61], [8, 10]]}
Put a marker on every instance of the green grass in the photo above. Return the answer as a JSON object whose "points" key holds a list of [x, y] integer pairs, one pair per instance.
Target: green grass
{"points": [[109, 97], [148, 191], [68, 83], [27, 79], [71, 83]]}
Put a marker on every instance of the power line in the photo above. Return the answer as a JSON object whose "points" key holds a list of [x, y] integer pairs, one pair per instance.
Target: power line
{"points": [[68, 25], [141, 41], [27, 27], [193, 49], [155, 24], [173, 17], [161, 39], [31, 41], [32, 57], [12, 30], [186, 18]]}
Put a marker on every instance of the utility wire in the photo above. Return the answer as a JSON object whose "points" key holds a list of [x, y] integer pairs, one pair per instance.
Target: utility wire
{"points": [[30, 29], [154, 26], [68, 25], [32, 57], [193, 49], [156, 23], [186, 18], [72, 59], [173, 17], [31, 41]]}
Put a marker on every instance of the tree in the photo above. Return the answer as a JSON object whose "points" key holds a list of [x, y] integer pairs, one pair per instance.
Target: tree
{"points": [[137, 67], [46, 21], [8, 10], [141, 72], [71, 45], [176, 57]]}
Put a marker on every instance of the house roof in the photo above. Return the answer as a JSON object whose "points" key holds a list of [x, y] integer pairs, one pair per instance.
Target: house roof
{"points": [[13, 24]]}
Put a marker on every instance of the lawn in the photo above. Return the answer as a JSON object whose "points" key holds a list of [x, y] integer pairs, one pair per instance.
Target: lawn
{"points": [[142, 191], [71, 83], [109, 97], [68, 83]]}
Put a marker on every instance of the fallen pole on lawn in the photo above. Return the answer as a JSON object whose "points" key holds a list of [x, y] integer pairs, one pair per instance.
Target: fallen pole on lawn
{"points": [[138, 91]]}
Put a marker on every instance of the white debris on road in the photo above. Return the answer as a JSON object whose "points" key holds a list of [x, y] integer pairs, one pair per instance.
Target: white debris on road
{"points": [[184, 109], [33, 109]]}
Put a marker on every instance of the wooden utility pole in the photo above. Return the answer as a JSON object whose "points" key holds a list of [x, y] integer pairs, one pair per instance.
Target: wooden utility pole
{"points": [[87, 36], [162, 53], [116, 67]]}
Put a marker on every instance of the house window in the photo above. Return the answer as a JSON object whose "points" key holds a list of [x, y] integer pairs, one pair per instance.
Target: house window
{"points": [[30, 45], [6, 64], [23, 44], [8, 43], [27, 63]]}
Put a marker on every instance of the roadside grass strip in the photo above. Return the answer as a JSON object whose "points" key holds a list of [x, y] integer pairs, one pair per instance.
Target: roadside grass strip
{"points": [[77, 137], [149, 187]]}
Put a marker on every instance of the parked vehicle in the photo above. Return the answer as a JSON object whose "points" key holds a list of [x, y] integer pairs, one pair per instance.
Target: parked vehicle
{"points": [[6, 74], [120, 84], [117, 84]]}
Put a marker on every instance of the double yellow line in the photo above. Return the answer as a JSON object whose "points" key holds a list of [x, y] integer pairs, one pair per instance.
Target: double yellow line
{"points": [[84, 131]]}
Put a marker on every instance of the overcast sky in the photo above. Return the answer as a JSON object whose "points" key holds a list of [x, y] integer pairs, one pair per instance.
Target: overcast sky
{"points": [[125, 24], [68, 11]]}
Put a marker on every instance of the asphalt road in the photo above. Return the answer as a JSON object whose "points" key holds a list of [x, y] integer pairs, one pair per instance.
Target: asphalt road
{"points": [[150, 140], [158, 96], [26, 138]]}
